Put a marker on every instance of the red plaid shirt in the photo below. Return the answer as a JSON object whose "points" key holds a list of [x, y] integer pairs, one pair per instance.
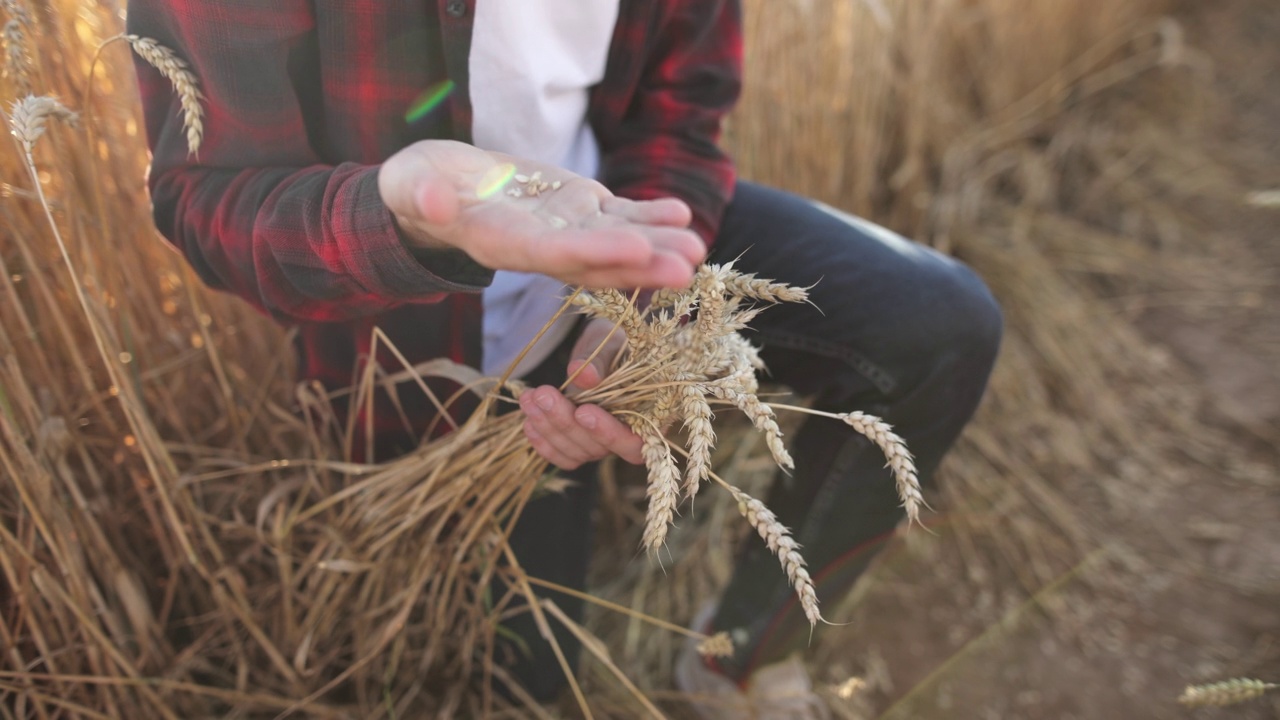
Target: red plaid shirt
{"points": [[304, 99]]}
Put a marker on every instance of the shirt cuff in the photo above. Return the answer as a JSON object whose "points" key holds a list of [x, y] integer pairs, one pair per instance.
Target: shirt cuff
{"points": [[388, 266]]}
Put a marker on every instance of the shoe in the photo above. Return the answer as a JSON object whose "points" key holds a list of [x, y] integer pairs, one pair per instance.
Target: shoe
{"points": [[779, 691]]}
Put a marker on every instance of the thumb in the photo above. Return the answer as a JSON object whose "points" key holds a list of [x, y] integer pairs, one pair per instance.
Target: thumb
{"points": [[596, 335], [415, 189]]}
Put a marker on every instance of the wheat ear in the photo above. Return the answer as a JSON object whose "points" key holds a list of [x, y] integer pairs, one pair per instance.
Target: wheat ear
{"points": [[895, 450], [749, 286], [708, 286], [719, 645], [1227, 692], [618, 308], [28, 116], [702, 437], [17, 63], [177, 72], [664, 483], [779, 541], [761, 415]]}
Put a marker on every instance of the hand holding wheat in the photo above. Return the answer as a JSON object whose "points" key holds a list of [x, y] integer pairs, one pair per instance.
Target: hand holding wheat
{"points": [[673, 371]]}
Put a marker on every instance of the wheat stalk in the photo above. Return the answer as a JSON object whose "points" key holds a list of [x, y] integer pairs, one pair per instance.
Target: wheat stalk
{"points": [[1226, 692], [669, 372], [177, 72]]}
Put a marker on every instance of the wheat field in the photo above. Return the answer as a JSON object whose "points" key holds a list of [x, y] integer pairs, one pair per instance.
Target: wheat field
{"points": [[165, 503]]}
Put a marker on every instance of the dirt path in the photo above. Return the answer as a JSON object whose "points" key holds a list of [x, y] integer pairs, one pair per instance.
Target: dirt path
{"points": [[1198, 591]]}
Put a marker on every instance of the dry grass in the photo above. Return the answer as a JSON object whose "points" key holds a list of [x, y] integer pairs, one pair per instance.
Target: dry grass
{"points": [[160, 558]]}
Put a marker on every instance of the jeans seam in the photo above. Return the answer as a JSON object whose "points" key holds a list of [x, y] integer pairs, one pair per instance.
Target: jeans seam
{"points": [[876, 375]]}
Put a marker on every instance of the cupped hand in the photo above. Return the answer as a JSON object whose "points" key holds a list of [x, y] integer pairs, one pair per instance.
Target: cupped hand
{"points": [[450, 194], [569, 435]]}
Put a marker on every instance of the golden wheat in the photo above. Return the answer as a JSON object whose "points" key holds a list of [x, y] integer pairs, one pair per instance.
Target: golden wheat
{"points": [[1226, 692], [28, 116], [780, 543], [900, 461], [17, 63], [719, 645], [176, 71]]}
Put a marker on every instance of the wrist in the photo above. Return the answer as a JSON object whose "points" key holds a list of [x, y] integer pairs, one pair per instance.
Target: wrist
{"points": [[416, 238]]}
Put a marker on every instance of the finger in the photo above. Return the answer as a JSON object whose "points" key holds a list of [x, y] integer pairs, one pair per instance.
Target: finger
{"points": [[666, 211], [685, 244], [548, 451], [552, 417], [583, 249], [663, 270], [599, 335], [413, 188], [610, 432]]}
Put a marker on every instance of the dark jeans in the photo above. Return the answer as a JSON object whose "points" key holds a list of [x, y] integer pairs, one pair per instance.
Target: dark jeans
{"points": [[898, 330]]}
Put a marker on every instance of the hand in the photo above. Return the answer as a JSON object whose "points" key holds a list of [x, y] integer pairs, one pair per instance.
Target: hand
{"points": [[568, 436], [444, 194]]}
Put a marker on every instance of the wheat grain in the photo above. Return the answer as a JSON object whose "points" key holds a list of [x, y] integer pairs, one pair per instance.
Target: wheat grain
{"points": [[719, 645], [900, 460], [666, 297], [176, 71], [666, 401], [28, 116], [779, 541], [1227, 692], [702, 437]]}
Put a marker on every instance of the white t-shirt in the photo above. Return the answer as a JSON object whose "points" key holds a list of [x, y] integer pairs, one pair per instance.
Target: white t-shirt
{"points": [[532, 63]]}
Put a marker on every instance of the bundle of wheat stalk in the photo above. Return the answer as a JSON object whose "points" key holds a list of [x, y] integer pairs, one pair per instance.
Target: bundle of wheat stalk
{"points": [[424, 536]]}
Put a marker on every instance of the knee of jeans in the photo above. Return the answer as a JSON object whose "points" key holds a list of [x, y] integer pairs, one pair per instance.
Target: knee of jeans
{"points": [[963, 335], [980, 319]]}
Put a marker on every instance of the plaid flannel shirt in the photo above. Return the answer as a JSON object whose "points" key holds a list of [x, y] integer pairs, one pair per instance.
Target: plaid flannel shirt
{"points": [[304, 99]]}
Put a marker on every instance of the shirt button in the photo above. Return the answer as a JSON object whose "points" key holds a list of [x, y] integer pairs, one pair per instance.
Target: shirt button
{"points": [[456, 8]]}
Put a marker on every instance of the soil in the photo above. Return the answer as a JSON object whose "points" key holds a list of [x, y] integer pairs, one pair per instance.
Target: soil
{"points": [[1194, 595]]}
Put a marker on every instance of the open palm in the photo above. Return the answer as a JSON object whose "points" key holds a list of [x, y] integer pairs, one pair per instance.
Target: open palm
{"points": [[449, 194]]}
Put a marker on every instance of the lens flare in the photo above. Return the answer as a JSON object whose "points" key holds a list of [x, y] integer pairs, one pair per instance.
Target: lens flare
{"points": [[494, 180], [429, 100]]}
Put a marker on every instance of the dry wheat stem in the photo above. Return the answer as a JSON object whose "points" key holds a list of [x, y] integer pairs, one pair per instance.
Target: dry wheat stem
{"points": [[1226, 692]]}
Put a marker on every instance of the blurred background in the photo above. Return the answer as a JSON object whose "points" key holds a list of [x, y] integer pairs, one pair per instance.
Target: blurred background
{"points": [[1106, 533]]}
